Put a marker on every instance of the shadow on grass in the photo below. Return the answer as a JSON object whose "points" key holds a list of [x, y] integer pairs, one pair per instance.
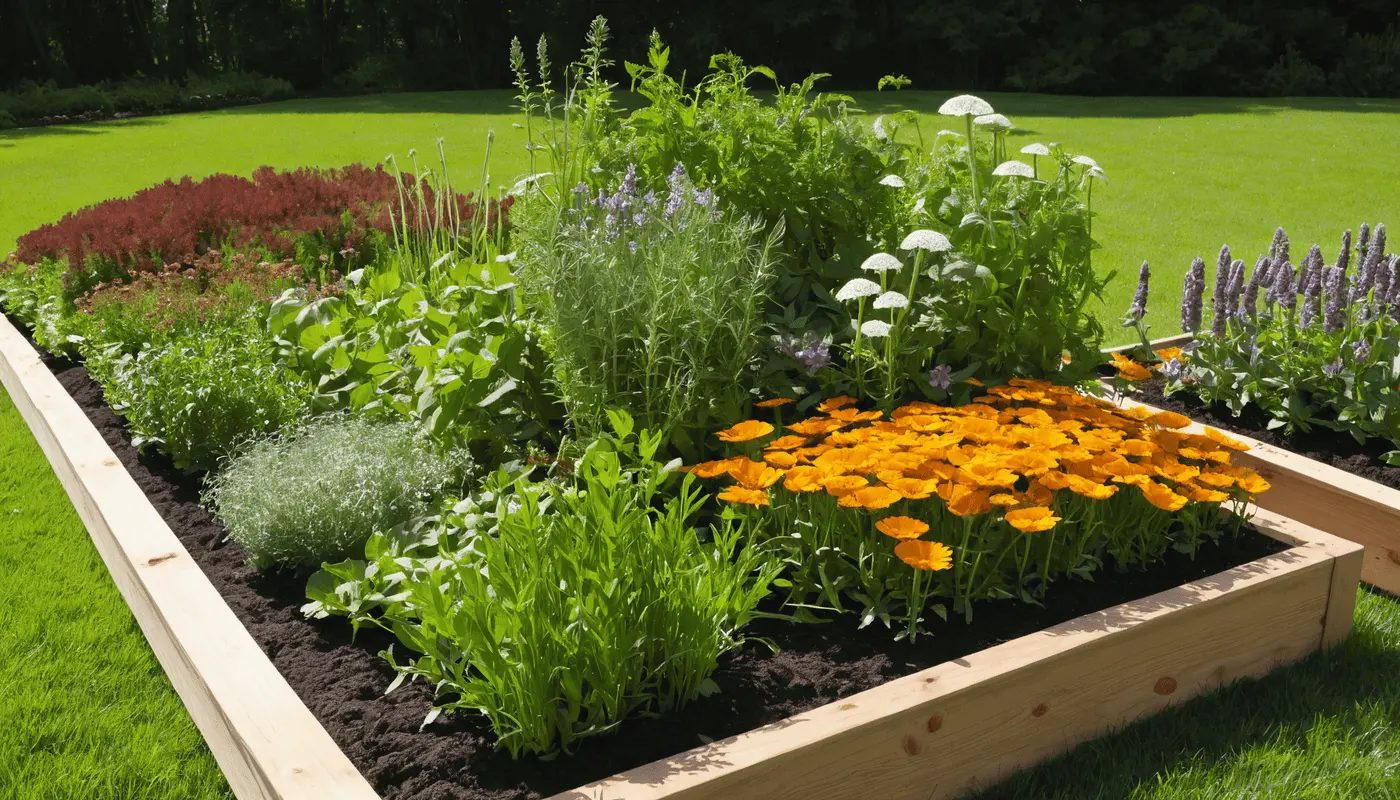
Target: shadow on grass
{"points": [[491, 102], [95, 128], [1277, 712], [1046, 105]]}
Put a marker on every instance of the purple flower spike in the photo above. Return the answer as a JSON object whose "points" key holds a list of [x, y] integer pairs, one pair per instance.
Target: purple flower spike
{"points": [[1218, 311], [1285, 294], [1192, 294], [1312, 293], [1334, 310], [1278, 250], [1363, 242], [629, 182], [1173, 369], [632, 246], [941, 377], [1331, 370], [1138, 309], [812, 352], [1251, 291]]}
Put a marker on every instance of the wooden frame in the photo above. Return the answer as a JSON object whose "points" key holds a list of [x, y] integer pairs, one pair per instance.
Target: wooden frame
{"points": [[934, 734], [1323, 496]]}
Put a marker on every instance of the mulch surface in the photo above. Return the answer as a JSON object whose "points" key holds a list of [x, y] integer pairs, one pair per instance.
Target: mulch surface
{"points": [[343, 682]]}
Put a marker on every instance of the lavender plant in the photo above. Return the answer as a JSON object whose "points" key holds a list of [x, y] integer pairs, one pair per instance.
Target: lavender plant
{"points": [[1323, 350]]}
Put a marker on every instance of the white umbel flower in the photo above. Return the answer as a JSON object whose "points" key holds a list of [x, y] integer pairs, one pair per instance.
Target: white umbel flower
{"points": [[892, 180], [891, 300], [875, 329], [1014, 169], [945, 132], [1036, 149], [924, 239], [994, 121], [881, 262], [966, 105], [1085, 160], [1095, 172], [880, 132], [857, 288]]}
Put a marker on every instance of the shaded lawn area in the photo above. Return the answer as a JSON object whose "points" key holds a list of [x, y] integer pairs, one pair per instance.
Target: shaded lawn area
{"points": [[86, 711]]}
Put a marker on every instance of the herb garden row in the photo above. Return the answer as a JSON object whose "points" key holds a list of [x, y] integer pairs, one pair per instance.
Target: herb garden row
{"points": [[738, 447]]}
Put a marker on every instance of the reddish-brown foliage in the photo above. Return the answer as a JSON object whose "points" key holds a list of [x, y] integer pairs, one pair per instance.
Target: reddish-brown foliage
{"points": [[267, 215]]}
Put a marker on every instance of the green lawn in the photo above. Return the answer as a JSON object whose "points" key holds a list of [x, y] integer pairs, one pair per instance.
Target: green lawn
{"points": [[85, 710]]}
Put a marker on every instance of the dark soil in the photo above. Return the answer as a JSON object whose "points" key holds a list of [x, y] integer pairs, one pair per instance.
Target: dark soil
{"points": [[343, 682], [1320, 444]]}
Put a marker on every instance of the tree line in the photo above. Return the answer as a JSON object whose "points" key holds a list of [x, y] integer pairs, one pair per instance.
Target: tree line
{"points": [[1177, 47]]}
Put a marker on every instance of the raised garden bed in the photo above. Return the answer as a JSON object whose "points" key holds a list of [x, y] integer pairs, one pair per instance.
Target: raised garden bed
{"points": [[1323, 479], [291, 708]]}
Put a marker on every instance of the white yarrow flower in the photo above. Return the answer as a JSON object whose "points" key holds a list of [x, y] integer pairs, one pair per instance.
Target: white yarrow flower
{"points": [[1095, 172], [966, 105], [924, 239], [1014, 169], [996, 121], [857, 288], [875, 329], [891, 300], [892, 180], [881, 262], [1036, 149], [945, 132], [1085, 160]]}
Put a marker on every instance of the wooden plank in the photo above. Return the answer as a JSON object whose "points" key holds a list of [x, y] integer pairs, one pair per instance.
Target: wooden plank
{"points": [[973, 721], [1157, 344], [266, 741], [1328, 499]]}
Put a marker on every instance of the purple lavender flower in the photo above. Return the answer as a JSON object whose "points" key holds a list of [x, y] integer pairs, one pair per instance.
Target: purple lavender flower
{"points": [[1192, 290], [1372, 266], [1138, 309], [1363, 241], [1251, 291], [581, 188], [1333, 310], [1278, 250], [1344, 256], [629, 182], [1234, 292], [632, 247], [704, 197], [1222, 285], [1285, 294], [1361, 351], [941, 377], [1312, 293], [639, 219], [1384, 280], [678, 183], [1331, 370], [649, 199]]}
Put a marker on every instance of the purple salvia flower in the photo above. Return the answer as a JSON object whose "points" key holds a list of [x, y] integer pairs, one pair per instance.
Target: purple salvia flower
{"points": [[1251, 291], [1333, 309], [1191, 296], [1138, 309], [1285, 294], [1278, 249], [1384, 280], [1218, 311], [1344, 256], [1331, 370], [1312, 292], [1235, 290], [1375, 262], [941, 377], [1363, 243], [1361, 351]]}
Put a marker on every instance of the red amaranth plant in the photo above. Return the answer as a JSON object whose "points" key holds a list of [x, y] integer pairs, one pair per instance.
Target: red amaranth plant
{"points": [[328, 212]]}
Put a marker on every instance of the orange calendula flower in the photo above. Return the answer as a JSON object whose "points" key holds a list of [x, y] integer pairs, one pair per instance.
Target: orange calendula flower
{"points": [[816, 426], [1171, 419], [1253, 482], [774, 402], [713, 469], [745, 431], [1168, 353], [1225, 441], [743, 496], [902, 527], [1091, 489], [973, 381], [787, 442], [1200, 494], [1162, 497], [754, 474], [804, 479], [1216, 479], [832, 403], [1004, 500], [1032, 520], [871, 497], [1129, 369], [914, 488], [965, 501], [780, 459], [842, 485], [927, 556]]}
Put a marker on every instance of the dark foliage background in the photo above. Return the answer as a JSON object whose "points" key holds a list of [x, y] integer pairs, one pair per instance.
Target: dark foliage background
{"points": [[1180, 47]]}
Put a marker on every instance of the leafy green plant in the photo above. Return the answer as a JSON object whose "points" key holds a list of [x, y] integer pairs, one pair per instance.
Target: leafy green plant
{"points": [[558, 608], [1322, 349], [318, 493], [653, 304], [200, 396]]}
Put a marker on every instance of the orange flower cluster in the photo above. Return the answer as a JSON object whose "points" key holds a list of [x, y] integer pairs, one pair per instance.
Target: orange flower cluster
{"points": [[1130, 370], [1012, 449]]}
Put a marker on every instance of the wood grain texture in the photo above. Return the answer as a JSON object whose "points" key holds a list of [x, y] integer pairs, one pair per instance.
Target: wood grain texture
{"points": [[970, 722], [1157, 344], [1328, 499], [268, 744]]}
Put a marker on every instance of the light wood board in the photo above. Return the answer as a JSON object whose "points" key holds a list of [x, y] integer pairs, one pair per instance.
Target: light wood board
{"points": [[266, 741]]}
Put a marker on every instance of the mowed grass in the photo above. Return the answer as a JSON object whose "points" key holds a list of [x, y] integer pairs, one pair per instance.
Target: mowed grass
{"points": [[85, 710]]}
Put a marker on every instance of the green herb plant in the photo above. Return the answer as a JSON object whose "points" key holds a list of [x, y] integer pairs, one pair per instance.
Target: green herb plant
{"points": [[558, 608]]}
